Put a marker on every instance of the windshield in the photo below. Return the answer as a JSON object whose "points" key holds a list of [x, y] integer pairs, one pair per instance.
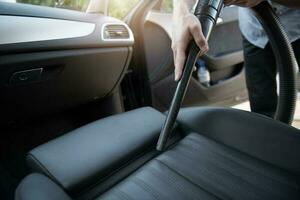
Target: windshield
{"points": [[79, 5]]}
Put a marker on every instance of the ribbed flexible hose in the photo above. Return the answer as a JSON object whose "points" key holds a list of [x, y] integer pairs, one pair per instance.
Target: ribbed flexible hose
{"points": [[207, 12], [285, 61]]}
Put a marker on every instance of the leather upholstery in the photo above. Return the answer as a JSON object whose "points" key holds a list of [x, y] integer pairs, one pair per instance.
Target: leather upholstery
{"points": [[199, 168], [226, 154], [253, 134], [85, 156], [39, 187]]}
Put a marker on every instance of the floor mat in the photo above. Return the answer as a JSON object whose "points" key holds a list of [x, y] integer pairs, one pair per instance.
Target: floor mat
{"points": [[18, 140], [7, 185]]}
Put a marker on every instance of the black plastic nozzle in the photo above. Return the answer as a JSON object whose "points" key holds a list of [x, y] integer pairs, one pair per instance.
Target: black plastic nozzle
{"points": [[207, 12]]}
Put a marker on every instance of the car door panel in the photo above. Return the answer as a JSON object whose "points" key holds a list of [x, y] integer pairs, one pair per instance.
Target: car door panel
{"points": [[224, 61]]}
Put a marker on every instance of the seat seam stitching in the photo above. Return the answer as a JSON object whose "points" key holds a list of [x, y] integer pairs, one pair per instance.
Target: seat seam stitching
{"points": [[122, 194], [139, 182], [186, 178], [187, 154], [170, 180], [243, 165], [204, 171], [240, 178]]}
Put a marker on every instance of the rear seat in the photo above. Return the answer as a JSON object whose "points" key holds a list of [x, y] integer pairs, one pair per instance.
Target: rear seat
{"points": [[78, 160]]}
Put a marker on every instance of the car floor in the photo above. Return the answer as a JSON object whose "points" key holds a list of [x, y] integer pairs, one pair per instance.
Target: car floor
{"points": [[18, 140], [7, 184], [21, 140]]}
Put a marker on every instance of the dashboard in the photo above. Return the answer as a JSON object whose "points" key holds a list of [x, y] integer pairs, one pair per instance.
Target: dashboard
{"points": [[53, 59]]}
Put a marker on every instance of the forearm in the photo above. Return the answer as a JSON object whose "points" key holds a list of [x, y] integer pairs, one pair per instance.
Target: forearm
{"points": [[289, 3]]}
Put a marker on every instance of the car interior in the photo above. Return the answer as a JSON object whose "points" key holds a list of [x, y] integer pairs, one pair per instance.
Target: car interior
{"points": [[85, 94]]}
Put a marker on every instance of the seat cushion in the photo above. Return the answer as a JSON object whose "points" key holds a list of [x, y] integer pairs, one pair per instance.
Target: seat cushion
{"points": [[200, 168], [225, 154], [88, 155], [254, 134]]}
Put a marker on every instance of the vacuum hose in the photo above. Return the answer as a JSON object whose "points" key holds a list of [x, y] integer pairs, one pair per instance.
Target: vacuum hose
{"points": [[208, 12], [285, 60]]}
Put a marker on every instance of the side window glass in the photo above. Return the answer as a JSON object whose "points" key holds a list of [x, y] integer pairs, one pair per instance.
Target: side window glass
{"points": [[120, 8], [79, 5], [167, 6]]}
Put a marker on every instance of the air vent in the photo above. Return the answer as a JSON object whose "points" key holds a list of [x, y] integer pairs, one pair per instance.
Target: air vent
{"points": [[115, 32]]}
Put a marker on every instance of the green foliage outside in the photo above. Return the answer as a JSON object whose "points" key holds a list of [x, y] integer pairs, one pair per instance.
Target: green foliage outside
{"points": [[120, 8], [117, 8], [167, 6], [68, 4]]}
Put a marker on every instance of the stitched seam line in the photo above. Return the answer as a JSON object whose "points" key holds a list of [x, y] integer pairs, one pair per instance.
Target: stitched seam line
{"points": [[231, 174], [187, 179], [169, 180], [242, 164], [147, 188]]}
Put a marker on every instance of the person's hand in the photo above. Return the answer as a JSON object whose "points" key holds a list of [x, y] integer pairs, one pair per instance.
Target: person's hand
{"points": [[185, 29], [243, 3]]}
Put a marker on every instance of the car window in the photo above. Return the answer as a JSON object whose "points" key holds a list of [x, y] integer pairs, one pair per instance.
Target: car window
{"points": [[120, 8], [167, 6], [79, 5]]}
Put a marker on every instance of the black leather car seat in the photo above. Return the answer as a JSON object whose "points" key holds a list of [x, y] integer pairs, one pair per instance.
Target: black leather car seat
{"points": [[221, 154]]}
